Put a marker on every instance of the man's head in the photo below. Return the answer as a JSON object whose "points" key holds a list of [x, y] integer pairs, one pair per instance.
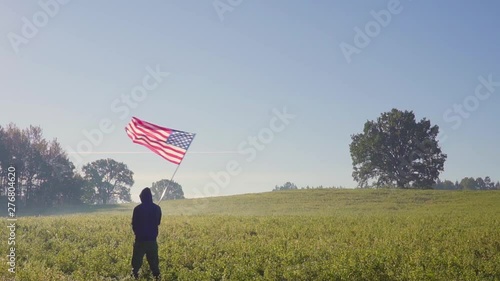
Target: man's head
{"points": [[146, 196]]}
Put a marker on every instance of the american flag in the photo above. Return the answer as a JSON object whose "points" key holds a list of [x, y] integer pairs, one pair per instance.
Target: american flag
{"points": [[168, 143]]}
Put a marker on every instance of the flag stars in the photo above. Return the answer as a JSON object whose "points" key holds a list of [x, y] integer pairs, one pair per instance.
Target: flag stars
{"points": [[180, 139]]}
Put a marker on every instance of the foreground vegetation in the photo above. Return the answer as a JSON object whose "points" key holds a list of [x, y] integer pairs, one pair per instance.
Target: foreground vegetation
{"points": [[289, 235]]}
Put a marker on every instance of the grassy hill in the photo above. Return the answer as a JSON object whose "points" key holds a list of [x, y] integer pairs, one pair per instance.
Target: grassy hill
{"points": [[286, 235], [332, 202], [314, 202]]}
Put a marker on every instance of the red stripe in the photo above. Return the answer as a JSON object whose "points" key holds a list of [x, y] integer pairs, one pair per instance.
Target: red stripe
{"points": [[162, 130], [154, 145], [142, 132], [152, 133], [173, 160], [154, 137], [146, 130], [160, 145], [161, 152]]}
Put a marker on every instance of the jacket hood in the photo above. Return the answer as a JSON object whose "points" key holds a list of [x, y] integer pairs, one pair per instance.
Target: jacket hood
{"points": [[146, 196]]}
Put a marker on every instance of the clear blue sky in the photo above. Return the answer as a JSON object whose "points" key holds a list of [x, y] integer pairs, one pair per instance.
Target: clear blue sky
{"points": [[228, 72]]}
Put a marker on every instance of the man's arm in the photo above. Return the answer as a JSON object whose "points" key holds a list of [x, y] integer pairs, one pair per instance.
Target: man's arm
{"points": [[159, 215], [134, 220]]}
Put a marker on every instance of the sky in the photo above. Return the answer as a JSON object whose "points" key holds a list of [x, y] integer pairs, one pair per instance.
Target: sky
{"points": [[273, 89]]}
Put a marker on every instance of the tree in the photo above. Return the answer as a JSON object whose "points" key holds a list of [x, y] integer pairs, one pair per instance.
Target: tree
{"points": [[45, 174], [4, 160], [480, 184], [107, 181], [395, 150], [63, 184], [173, 192], [4, 156], [287, 186], [25, 148], [468, 183], [488, 183], [445, 185]]}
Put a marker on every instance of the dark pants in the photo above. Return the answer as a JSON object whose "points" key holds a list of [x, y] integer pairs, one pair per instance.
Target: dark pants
{"points": [[150, 249]]}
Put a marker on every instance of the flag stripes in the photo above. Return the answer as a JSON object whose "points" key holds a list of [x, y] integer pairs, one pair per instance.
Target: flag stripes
{"points": [[170, 144]]}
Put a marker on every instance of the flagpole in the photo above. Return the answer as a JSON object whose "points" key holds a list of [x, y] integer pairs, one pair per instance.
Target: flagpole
{"points": [[168, 185], [172, 178]]}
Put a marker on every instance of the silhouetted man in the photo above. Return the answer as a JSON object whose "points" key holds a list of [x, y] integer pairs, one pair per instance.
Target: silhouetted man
{"points": [[145, 221]]}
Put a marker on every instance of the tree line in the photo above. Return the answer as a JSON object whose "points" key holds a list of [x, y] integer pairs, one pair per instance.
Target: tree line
{"points": [[468, 183], [292, 186], [46, 176]]}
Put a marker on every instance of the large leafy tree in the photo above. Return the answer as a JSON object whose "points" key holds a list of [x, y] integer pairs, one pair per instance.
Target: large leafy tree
{"points": [[108, 181], [397, 151], [174, 190]]}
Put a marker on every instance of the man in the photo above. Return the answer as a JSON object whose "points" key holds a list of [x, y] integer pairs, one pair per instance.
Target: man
{"points": [[145, 221]]}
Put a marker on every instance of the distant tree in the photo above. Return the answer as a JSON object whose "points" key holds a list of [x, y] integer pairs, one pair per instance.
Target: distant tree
{"points": [[107, 181], [395, 150], [449, 185], [173, 192], [287, 186], [480, 184], [468, 183], [445, 185], [488, 183]]}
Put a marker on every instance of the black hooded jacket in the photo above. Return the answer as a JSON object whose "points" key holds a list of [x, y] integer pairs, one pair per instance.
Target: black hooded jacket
{"points": [[146, 218]]}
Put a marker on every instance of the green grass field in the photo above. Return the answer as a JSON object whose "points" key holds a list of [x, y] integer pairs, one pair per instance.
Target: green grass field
{"points": [[286, 235]]}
